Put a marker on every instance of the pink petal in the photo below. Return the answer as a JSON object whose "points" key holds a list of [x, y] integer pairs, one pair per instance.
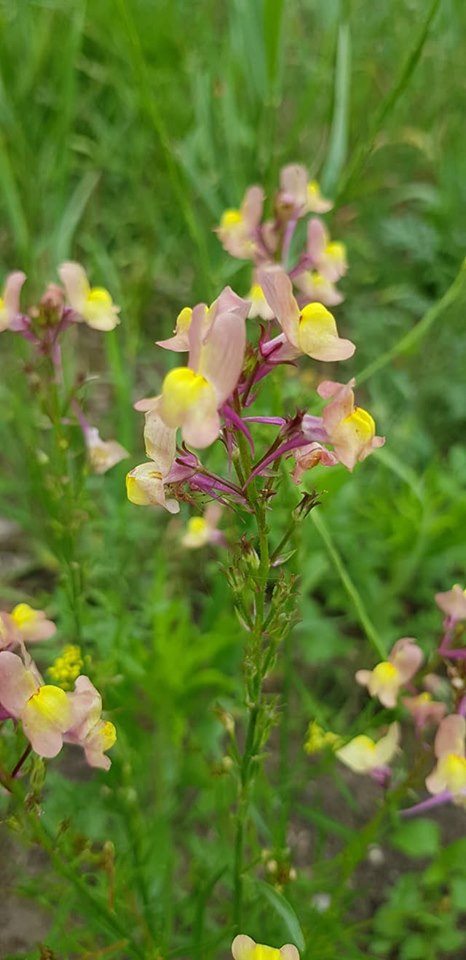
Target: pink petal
{"points": [[76, 284], [317, 239], [222, 355], [160, 441], [450, 736], [278, 292], [17, 684], [12, 290], [252, 206], [407, 657]]}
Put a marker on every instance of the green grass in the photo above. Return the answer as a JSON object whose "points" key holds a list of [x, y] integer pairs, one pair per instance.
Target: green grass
{"points": [[127, 126]]}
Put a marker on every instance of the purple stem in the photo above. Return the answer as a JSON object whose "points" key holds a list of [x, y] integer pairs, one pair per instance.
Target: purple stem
{"points": [[429, 804], [233, 418]]}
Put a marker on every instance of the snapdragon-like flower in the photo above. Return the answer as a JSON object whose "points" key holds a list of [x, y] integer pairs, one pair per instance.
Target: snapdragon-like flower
{"points": [[238, 229], [350, 429], [93, 305], [245, 948], [204, 530], [193, 395], [298, 194], [453, 602], [102, 454], [259, 306], [43, 709], [315, 287], [364, 755], [146, 483], [227, 302], [325, 256], [309, 456], [9, 300], [32, 625], [449, 773], [311, 330], [87, 729], [424, 709], [388, 677]]}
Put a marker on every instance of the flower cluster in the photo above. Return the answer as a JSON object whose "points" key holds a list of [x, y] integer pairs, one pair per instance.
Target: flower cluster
{"points": [[209, 397], [44, 325], [392, 683], [49, 715]]}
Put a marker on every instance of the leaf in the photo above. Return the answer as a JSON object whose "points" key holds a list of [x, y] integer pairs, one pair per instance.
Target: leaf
{"points": [[419, 838], [284, 910]]}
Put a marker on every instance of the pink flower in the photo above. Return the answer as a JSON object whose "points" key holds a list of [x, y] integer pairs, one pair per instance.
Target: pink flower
{"points": [[227, 302], [146, 483], [450, 771], [388, 677], [192, 396], [298, 194], [87, 729], [93, 305], [9, 633], [311, 330], [328, 258], [238, 229], [9, 301], [31, 624], [309, 456], [318, 288], [350, 429], [43, 709], [102, 454], [424, 709], [453, 602], [204, 530]]}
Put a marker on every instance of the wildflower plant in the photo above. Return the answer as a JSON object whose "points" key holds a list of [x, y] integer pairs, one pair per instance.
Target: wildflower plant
{"points": [[233, 348]]}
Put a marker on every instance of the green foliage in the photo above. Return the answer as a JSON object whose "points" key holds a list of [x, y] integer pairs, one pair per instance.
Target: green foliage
{"points": [[126, 129]]}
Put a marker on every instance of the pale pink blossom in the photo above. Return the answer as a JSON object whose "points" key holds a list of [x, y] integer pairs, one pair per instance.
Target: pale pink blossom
{"points": [[424, 709], [326, 256], [315, 287], [32, 625], [300, 195], [388, 677], [245, 948], [93, 305], [204, 530], [238, 229], [364, 755], [453, 602], [102, 454], [350, 429], [309, 456], [87, 729], [43, 709], [449, 774], [311, 330], [9, 300]]}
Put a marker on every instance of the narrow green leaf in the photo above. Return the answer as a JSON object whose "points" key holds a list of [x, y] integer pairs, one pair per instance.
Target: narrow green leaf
{"points": [[284, 910]]}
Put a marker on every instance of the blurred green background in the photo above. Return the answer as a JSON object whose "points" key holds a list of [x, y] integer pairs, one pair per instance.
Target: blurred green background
{"points": [[127, 126]]}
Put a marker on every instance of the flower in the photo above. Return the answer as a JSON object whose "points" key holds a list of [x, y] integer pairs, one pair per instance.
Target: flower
{"points": [[259, 306], [326, 256], [309, 456], [32, 624], [87, 729], [192, 396], [318, 288], [9, 633], [387, 678], [9, 301], [204, 530], [102, 454], [238, 229], [245, 948], [311, 330], [450, 771], [364, 755], [300, 195], [424, 709], [453, 602], [350, 429], [44, 710], [319, 739], [67, 667], [145, 484], [228, 302], [93, 305]]}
